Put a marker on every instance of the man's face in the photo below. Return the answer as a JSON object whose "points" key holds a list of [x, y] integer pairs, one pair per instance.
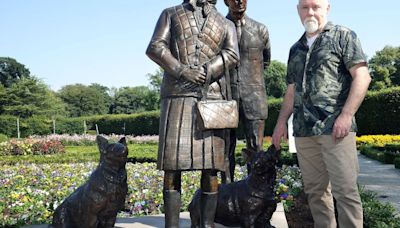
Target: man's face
{"points": [[237, 6], [313, 14]]}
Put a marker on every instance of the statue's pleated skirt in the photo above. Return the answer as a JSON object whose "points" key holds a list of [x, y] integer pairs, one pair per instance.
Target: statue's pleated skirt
{"points": [[182, 144]]}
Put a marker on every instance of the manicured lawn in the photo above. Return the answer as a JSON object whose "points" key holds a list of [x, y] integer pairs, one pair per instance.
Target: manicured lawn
{"points": [[78, 154]]}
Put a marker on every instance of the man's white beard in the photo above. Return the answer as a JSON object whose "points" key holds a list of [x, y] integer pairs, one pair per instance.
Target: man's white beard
{"points": [[310, 25]]}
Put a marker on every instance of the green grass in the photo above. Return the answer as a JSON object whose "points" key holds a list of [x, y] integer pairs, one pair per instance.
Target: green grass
{"points": [[137, 152], [77, 154]]}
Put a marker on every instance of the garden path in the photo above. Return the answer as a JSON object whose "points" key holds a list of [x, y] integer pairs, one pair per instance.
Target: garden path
{"points": [[381, 178]]}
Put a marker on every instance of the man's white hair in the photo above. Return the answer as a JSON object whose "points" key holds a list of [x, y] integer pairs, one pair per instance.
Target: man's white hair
{"points": [[324, 1]]}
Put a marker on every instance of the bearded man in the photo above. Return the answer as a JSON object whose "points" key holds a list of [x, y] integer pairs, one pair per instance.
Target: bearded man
{"points": [[327, 80], [193, 43]]}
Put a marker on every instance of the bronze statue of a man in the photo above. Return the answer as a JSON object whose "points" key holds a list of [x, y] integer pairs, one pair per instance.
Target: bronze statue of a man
{"points": [[191, 42], [247, 78]]}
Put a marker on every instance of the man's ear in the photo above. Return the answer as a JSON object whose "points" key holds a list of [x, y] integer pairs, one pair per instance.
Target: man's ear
{"points": [[123, 141], [101, 143]]}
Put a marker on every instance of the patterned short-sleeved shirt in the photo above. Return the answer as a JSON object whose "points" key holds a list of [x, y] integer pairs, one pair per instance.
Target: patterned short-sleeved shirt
{"points": [[322, 79]]}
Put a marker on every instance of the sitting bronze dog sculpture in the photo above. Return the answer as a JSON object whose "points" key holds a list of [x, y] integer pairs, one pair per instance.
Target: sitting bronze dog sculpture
{"points": [[97, 202], [249, 202]]}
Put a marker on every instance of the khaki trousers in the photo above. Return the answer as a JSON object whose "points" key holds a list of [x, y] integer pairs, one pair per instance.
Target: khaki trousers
{"points": [[331, 168]]}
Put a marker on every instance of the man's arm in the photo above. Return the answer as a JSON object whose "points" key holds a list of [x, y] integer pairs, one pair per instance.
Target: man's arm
{"points": [[228, 56], [358, 89], [267, 46], [280, 129], [158, 50]]}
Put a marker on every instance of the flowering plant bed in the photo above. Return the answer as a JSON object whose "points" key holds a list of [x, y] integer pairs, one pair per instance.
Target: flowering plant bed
{"points": [[31, 192]]}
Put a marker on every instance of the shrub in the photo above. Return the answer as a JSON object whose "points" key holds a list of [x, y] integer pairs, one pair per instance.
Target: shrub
{"points": [[274, 106], [30, 147], [379, 113], [397, 162], [70, 125], [8, 125], [134, 124], [393, 147], [47, 147], [377, 214], [3, 138]]}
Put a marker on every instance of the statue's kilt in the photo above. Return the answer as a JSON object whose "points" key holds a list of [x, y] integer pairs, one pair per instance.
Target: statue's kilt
{"points": [[183, 145]]}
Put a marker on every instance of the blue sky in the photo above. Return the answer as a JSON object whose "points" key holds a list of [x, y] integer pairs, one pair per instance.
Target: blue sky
{"points": [[99, 41]]}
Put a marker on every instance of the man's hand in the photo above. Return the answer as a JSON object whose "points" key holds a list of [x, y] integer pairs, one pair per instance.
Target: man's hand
{"points": [[342, 126], [280, 132], [196, 76]]}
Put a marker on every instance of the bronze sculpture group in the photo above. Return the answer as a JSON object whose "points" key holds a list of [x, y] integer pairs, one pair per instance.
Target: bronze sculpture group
{"points": [[205, 57], [196, 45]]}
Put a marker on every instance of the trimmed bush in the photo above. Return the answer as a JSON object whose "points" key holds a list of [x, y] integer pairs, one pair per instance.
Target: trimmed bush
{"points": [[379, 113], [38, 125], [274, 106], [70, 125], [146, 123], [397, 162]]}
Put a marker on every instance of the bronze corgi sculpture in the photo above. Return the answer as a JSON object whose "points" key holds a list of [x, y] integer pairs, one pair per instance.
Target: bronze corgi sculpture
{"points": [[96, 203], [249, 202]]}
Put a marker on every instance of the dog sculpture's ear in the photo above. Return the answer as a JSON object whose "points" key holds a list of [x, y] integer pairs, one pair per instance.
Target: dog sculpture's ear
{"points": [[276, 153], [122, 141], [102, 144], [248, 154]]}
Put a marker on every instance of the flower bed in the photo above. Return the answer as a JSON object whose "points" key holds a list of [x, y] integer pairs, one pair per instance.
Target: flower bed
{"points": [[31, 147], [378, 140], [30, 193], [90, 140]]}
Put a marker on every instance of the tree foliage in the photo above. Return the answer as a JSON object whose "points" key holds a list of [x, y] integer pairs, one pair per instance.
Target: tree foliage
{"points": [[84, 100], [105, 91], [275, 79], [29, 97], [385, 68], [11, 71], [129, 100], [156, 79]]}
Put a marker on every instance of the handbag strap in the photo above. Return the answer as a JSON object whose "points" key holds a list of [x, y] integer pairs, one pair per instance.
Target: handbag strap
{"points": [[227, 83]]}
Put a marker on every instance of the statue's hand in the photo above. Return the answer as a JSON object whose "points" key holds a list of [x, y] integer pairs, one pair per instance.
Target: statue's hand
{"points": [[196, 76]]}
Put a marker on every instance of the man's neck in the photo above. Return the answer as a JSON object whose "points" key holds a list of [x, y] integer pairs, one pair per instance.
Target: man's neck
{"points": [[237, 16]]}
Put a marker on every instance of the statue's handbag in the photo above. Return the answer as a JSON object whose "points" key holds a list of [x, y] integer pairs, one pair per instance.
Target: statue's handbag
{"points": [[218, 114]]}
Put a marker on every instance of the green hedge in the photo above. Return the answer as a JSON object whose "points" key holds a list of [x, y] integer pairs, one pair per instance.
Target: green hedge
{"points": [[146, 123], [379, 114], [380, 154], [397, 163]]}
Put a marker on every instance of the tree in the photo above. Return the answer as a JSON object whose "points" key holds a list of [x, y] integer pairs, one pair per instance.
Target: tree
{"points": [[105, 91], [129, 100], [11, 71], [385, 68], [274, 77], [83, 100], [29, 97], [156, 79]]}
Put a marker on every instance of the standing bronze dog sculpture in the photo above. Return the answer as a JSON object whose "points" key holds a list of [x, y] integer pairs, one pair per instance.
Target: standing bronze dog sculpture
{"points": [[96, 203], [249, 202]]}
